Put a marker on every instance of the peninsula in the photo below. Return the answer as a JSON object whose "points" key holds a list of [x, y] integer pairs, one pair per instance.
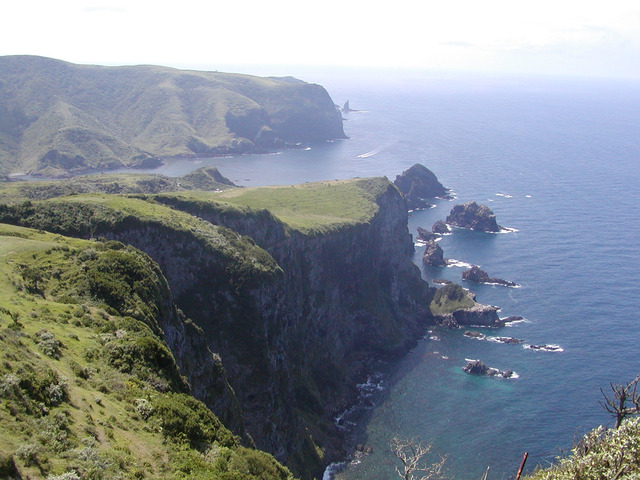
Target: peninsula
{"points": [[59, 118]]}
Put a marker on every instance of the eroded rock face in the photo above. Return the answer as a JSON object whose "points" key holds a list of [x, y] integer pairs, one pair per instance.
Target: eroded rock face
{"points": [[418, 184], [433, 255], [475, 274], [440, 227], [453, 307], [474, 217], [476, 367], [426, 235]]}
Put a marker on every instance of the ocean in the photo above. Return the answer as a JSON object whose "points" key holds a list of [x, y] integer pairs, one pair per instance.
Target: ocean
{"points": [[557, 160]]}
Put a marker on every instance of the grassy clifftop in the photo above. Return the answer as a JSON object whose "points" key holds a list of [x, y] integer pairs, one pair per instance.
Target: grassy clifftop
{"points": [[310, 207], [88, 386], [57, 117]]}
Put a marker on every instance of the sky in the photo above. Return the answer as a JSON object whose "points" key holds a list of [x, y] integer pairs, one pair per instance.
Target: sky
{"points": [[560, 37]]}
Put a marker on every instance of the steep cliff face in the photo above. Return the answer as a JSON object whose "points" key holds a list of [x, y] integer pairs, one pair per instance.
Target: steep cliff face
{"points": [[296, 319], [345, 298]]}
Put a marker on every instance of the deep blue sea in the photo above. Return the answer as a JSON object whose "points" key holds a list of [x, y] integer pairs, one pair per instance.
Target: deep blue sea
{"points": [[556, 159]]}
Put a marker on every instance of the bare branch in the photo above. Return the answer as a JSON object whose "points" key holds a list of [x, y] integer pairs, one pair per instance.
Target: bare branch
{"points": [[410, 453], [625, 400]]}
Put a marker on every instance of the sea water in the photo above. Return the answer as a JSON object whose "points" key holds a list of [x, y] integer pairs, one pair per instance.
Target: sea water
{"points": [[557, 161]]}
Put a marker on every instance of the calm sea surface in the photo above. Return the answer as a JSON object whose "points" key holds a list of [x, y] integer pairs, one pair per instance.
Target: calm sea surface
{"points": [[558, 161]]}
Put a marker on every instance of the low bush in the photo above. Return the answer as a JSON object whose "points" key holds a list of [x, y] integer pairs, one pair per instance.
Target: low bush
{"points": [[183, 418]]}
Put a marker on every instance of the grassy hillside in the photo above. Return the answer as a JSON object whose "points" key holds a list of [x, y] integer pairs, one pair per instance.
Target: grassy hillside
{"points": [[88, 387], [57, 117], [207, 179], [309, 207]]}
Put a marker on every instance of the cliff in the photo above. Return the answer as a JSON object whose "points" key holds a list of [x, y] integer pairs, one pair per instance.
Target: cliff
{"points": [[297, 301], [58, 118]]}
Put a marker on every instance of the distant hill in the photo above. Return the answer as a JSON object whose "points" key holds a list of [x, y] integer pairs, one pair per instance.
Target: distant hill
{"points": [[58, 118]]}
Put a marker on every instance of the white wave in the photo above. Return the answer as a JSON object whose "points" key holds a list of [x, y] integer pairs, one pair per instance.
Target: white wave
{"points": [[478, 337], [373, 152], [528, 196], [508, 230], [452, 262], [307, 148], [444, 357], [471, 360], [513, 376], [332, 469], [515, 322], [435, 338], [545, 348]]}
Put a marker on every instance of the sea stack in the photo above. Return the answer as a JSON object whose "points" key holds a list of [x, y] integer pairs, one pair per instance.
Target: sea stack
{"points": [[474, 217], [417, 184], [433, 255], [475, 274]]}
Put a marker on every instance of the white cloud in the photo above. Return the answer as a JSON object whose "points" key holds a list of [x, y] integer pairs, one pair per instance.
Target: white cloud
{"points": [[453, 34]]}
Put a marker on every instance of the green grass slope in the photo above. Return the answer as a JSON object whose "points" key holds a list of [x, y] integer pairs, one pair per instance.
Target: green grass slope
{"points": [[207, 179], [57, 117], [88, 387], [311, 208]]}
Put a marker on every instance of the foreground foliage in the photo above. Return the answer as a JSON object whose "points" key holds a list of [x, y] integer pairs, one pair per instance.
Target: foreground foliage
{"points": [[601, 454]]}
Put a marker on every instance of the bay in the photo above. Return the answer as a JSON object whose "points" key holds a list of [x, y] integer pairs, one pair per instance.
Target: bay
{"points": [[555, 159]]}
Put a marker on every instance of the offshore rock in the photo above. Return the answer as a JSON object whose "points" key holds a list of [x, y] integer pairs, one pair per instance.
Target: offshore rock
{"points": [[476, 367], [475, 274], [433, 255], [453, 306], [417, 184], [440, 227], [474, 217], [426, 235]]}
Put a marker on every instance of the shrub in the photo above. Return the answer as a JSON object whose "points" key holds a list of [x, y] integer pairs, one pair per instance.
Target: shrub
{"points": [[182, 417], [144, 408], [65, 476], [7, 466], [48, 343], [44, 386], [28, 453], [10, 386]]}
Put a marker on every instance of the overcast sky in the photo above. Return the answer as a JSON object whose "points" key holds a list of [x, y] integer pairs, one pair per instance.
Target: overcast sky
{"points": [[567, 37]]}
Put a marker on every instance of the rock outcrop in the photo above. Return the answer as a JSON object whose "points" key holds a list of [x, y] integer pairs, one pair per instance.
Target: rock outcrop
{"points": [[426, 235], [476, 275], [476, 367], [440, 227], [433, 255], [474, 217], [418, 184], [453, 307]]}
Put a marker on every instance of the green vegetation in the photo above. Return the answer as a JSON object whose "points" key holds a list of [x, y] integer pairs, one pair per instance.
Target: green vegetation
{"points": [[95, 215], [601, 454], [57, 117], [208, 179], [88, 387], [314, 208], [450, 298]]}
